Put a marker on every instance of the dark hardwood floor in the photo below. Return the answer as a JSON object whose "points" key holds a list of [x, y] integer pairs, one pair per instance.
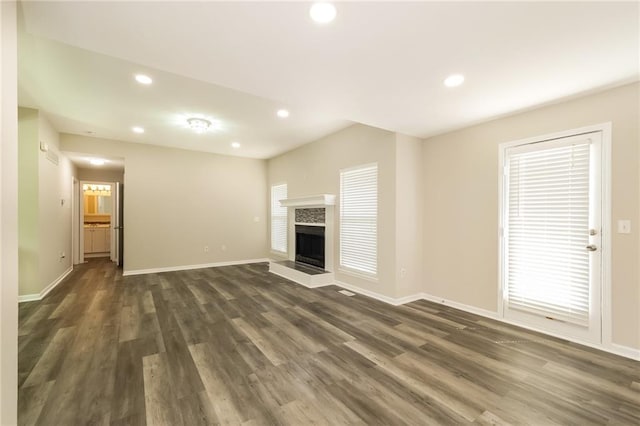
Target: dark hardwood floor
{"points": [[237, 345]]}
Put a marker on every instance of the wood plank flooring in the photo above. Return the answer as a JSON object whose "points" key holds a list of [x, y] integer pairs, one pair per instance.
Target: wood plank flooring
{"points": [[237, 345]]}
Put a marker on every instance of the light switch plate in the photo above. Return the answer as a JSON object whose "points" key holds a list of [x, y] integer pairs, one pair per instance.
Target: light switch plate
{"points": [[624, 226]]}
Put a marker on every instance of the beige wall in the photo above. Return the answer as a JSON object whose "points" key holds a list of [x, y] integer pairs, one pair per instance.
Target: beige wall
{"points": [[8, 215], [315, 169], [177, 201], [28, 199], [408, 202], [44, 225], [54, 209], [461, 202], [99, 175]]}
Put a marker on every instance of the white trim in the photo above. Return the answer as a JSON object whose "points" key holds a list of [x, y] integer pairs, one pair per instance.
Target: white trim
{"points": [[605, 285], [463, 307], [378, 296], [46, 290], [614, 348], [302, 278], [605, 343], [189, 267], [310, 224], [311, 200]]}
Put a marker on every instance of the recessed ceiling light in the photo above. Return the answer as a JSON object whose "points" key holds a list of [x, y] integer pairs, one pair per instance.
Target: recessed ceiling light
{"points": [[454, 80], [143, 79], [97, 161], [322, 12], [283, 113], [235, 145], [137, 129]]}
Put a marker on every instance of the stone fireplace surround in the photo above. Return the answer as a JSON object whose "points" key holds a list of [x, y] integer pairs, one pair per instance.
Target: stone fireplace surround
{"points": [[317, 210]]}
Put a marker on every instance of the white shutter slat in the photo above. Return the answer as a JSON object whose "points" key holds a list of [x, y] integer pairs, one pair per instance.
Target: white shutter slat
{"points": [[359, 219], [547, 231], [278, 218]]}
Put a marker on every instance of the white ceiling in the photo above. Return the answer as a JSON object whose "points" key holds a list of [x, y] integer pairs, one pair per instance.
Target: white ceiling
{"points": [[379, 63]]}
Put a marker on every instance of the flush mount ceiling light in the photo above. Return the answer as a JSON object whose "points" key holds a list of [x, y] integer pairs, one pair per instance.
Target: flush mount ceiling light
{"points": [[137, 129], [283, 113], [199, 125], [454, 80], [322, 12], [143, 79], [235, 145], [97, 161]]}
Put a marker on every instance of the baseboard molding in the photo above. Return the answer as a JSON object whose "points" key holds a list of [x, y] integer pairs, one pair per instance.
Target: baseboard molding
{"points": [[625, 351], [378, 296], [46, 290], [613, 348], [189, 267], [463, 307]]}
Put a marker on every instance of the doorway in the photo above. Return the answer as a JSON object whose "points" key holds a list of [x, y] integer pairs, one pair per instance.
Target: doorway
{"points": [[99, 225], [553, 236]]}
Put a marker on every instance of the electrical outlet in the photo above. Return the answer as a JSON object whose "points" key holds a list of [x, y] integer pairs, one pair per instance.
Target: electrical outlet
{"points": [[403, 272], [223, 248], [206, 249], [624, 226], [256, 219]]}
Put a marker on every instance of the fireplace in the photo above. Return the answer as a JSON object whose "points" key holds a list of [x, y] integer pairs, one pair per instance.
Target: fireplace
{"points": [[310, 245]]}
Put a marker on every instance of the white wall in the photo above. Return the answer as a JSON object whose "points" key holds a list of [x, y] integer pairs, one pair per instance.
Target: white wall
{"points": [[177, 202], [8, 215], [315, 169], [461, 202]]}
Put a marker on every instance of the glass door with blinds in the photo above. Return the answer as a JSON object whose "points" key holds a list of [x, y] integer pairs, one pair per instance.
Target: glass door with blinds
{"points": [[552, 235]]}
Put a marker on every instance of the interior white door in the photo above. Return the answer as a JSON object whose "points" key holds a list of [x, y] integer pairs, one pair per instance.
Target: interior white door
{"points": [[552, 230]]}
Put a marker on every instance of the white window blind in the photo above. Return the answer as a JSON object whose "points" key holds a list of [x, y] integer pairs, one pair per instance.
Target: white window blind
{"points": [[547, 230], [278, 218], [359, 219]]}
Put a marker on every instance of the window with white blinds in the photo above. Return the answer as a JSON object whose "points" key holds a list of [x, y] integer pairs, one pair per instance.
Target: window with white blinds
{"points": [[547, 230], [359, 219], [278, 218]]}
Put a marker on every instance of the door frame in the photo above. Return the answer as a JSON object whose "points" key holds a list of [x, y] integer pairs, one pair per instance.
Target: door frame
{"points": [[81, 215], [605, 284]]}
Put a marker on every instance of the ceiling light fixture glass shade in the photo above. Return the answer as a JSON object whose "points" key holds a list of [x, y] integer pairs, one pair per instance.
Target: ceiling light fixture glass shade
{"points": [[322, 12], [97, 161], [199, 125]]}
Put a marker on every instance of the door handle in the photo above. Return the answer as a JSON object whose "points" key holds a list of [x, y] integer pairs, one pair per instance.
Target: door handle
{"points": [[592, 247]]}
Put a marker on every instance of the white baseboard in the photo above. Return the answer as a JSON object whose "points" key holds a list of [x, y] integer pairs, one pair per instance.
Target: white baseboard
{"points": [[46, 290], [613, 348], [378, 296], [189, 267], [467, 308]]}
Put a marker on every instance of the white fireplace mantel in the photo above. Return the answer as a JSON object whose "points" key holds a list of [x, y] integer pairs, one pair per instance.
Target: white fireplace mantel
{"points": [[311, 200]]}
